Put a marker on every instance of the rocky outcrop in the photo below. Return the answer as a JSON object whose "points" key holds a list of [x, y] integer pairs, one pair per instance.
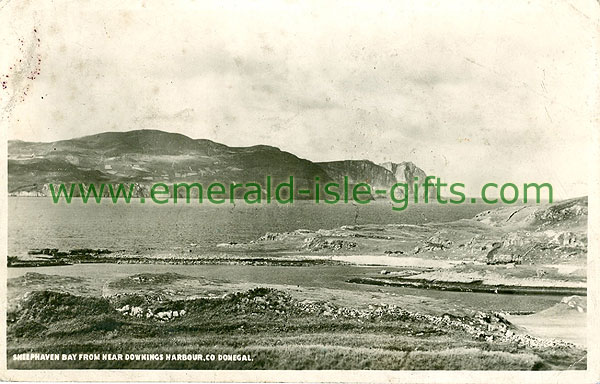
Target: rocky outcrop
{"points": [[318, 244], [409, 173], [380, 176], [359, 171], [577, 303]]}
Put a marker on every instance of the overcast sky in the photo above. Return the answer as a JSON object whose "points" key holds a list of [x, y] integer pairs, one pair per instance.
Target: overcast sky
{"points": [[475, 92]]}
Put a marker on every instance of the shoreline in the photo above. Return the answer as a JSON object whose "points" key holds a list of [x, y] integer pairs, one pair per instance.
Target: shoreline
{"points": [[473, 287]]}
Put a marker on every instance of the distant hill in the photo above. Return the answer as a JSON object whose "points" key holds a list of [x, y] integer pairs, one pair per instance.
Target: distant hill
{"points": [[150, 156]]}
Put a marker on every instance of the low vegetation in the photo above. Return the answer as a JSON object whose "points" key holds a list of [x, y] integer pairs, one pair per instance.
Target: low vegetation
{"points": [[275, 330]]}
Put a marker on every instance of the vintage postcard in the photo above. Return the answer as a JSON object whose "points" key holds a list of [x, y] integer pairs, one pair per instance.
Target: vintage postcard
{"points": [[299, 191]]}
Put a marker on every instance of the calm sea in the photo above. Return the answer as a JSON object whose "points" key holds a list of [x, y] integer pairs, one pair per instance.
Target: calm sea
{"points": [[39, 223]]}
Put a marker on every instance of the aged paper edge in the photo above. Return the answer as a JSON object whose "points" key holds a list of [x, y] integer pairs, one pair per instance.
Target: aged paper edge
{"points": [[591, 375]]}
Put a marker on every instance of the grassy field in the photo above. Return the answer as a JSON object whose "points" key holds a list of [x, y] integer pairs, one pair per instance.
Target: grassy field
{"points": [[276, 331]]}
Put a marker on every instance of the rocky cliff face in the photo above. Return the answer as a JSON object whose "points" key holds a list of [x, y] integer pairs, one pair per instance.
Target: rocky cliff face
{"points": [[409, 173], [359, 171]]}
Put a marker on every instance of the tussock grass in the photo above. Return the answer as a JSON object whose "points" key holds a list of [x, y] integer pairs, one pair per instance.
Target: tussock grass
{"points": [[264, 323]]}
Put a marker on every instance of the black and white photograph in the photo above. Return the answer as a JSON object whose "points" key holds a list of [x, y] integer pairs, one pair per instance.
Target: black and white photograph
{"points": [[292, 191]]}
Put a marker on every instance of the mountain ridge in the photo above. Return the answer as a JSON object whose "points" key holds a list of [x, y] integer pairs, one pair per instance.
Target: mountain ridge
{"points": [[148, 156]]}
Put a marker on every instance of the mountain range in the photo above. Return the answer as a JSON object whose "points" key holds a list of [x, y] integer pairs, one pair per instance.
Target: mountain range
{"points": [[145, 157]]}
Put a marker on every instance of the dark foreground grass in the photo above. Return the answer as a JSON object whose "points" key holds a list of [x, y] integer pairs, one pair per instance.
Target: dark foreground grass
{"points": [[269, 327]]}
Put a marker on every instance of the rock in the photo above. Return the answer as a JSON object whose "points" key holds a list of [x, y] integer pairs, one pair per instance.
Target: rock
{"points": [[516, 239], [396, 252], [317, 244], [163, 315], [565, 238], [576, 302], [540, 273], [231, 244], [136, 311], [437, 243], [124, 309], [272, 236]]}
